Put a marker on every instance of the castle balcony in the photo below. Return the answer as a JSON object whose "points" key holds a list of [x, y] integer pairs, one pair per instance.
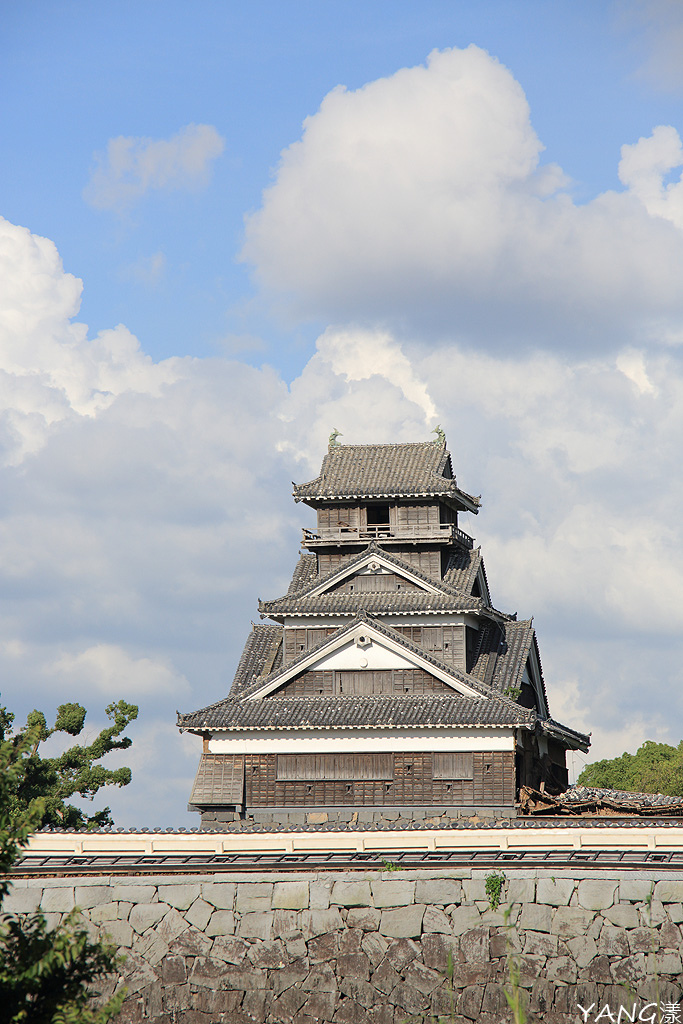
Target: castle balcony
{"points": [[428, 533]]}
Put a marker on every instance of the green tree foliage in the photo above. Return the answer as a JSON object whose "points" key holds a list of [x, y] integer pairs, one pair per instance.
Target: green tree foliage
{"points": [[46, 976], [654, 768], [54, 780]]}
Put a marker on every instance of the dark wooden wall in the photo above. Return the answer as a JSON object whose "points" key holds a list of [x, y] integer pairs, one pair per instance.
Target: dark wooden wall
{"points": [[413, 783], [363, 681], [446, 643], [428, 561]]}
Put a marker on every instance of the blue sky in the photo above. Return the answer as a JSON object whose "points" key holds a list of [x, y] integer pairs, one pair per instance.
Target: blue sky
{"points": [[78, 74], [271, 219]]}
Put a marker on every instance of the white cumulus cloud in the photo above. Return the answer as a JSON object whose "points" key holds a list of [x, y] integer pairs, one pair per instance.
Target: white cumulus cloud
{"points": [[420, 201], [132, 166], [109, 669]]}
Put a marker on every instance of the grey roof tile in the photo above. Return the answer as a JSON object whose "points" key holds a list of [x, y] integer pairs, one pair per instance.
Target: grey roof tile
{"points": [[263, 644], [386, 712], [462, 568], [219, 780], [379, 603], [386, 470], [302, 601], [305, 573]]}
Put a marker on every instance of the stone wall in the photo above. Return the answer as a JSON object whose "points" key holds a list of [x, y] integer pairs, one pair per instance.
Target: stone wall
{"points": [[375, 947]]}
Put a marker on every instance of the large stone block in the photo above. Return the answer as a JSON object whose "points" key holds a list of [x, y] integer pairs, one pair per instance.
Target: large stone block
{"points": [[120, 933], [181, 896], [171, 926], [623, 915], [222, 922], [465, 918], [133, 893], [596, 893], [438, 950], [385, 978], [393, 893], [669, 891], [562, 968], [22, 901], [270, 956], [321, 978], [220, 895], [191, 943], [290, 896], [569, 921], [362, 991], [613, 941], [323, 948], [144, 915], [92, 895], [535, 917], [540, 944], [254, 897], [628, 970], [252, 926], [635, 890], [286, 924], [521, 890], [474, 945], [353, 965], [229, 949], [405, 922], [409, 999], [422, 978], [199, 913], [107, 912], [666, 963], [583, 949], [366, 918], [351, 894], [374, 946], [474, 890], [438, 891], [317, 922], [319, 893], [401, 952], [436, 921], [58, 900], [556, 892]]}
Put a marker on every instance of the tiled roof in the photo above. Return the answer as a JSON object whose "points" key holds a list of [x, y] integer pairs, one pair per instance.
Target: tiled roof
{"points": [[512, 657], [301, 600], [390, 634], [564, 733], [462, 568], [305, 573], [263, 643], [414, 602], [386, 470], [385, 712], [219, 780]]}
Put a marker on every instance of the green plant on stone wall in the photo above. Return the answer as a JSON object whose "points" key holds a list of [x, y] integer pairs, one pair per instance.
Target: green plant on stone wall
{"points": [[494, 888]]}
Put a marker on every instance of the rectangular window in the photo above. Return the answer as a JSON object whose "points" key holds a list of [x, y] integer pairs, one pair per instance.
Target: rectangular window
{"points": [[453, 766], [335, 766]]}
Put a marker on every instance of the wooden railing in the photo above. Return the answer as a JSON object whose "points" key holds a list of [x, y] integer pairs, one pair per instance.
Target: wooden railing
{"points": [[351, 535]]}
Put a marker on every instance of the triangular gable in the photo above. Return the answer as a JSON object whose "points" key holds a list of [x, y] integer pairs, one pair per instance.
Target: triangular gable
{"points": [[369, 562], [365, 645]]}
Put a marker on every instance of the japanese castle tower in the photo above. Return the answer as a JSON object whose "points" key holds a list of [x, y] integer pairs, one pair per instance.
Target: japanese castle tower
{"points": [[386, 686]]}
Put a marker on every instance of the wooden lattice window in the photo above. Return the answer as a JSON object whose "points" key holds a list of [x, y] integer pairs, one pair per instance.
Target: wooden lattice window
{"points": [[351, 767]]}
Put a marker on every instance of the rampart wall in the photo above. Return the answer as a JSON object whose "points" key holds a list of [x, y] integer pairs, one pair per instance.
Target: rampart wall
{"points": [[374, 946]]}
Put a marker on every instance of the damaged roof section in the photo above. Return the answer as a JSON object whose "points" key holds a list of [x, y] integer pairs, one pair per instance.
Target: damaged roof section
{"points": [[580, 801]]}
